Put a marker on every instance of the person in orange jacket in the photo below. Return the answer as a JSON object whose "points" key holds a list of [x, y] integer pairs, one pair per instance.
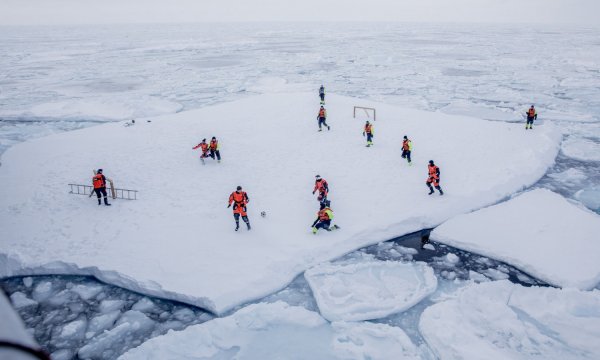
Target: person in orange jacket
{"points": [[99, 182], [239, 199], [322, 187], [214, 149], [368, 130], [204, 147], [324, 217], [433, 178], [322, 117], [531, 115]]}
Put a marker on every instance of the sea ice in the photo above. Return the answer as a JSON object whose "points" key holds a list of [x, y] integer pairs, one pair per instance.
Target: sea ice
{"points": [[581, 149], [539, 232], [263, 331], [590, 197], [369, 290], [20, 300], [206, 263], [501, 320]]}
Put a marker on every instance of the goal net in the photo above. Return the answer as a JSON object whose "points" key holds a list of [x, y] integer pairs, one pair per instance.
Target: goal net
{"points": [[364, 111]]}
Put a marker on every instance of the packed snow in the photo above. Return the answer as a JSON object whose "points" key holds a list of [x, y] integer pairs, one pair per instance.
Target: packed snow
{"points": [[501, 320], [279, 331], [275, 158], [539, 232], [369, 290]]}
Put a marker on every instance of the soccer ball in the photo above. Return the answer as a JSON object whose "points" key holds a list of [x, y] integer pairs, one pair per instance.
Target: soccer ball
{"points": [[263, 214]]}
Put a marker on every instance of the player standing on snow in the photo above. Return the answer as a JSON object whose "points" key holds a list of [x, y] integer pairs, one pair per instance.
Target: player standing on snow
{"points": [[322, 94], [323, 221], [204, 147], [531, 115], [214, 149], [406, 149], [322, 117], [239, 199], [322, 187], [368, 130], [99, 182], [433, 178]]}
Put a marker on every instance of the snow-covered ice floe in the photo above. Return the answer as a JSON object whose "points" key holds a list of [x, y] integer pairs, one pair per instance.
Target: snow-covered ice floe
{"points": [[279, 331], [369, 290], [539, 232], [177, 240], [501, 320]]}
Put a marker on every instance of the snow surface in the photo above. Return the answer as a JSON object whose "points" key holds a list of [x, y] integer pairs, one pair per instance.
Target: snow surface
{"points": [[369, 290], [538, 232], [279, 331], [13, 330], [501, 320], [177, 240]]}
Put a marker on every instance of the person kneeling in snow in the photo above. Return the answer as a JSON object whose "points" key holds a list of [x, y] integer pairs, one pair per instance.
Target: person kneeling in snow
{"points": [[240, 199], [324, 217], [204, 147]]}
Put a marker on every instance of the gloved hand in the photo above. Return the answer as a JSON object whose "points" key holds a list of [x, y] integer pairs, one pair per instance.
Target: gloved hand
{"points": [[363, 133], [228, 206], [313, 192]]}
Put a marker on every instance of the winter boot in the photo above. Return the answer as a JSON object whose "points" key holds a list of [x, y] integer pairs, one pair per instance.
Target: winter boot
{"points": [[106, 202], [440, 190], [99, 201], [430, 190], [314, 230], [248, 225], [237, 226], [328, 128]]}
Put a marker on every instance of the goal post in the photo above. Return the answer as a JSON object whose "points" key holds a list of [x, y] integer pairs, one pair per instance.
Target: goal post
{"points": [[367, 111]]}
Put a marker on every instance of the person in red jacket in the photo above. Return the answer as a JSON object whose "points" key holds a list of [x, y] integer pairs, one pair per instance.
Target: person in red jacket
{"points": [[99, 182], [406, 149], [204, 147], [322, 187], [433, 178], [239, 199], [322, 117]]}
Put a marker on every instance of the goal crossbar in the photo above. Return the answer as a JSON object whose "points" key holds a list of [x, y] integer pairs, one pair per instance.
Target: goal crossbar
{"points": [[365, 109]]}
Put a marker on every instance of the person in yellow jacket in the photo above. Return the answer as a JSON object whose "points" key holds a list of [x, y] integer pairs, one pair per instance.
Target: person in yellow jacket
{"points": [[324, 217], [406, 149], [368, 130]]}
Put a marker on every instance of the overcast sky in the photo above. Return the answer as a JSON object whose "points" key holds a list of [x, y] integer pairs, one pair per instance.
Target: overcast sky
{"points": [[31, 12]]}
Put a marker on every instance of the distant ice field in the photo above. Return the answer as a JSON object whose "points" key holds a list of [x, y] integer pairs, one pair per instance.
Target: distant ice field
{"points": [[63, 78]]}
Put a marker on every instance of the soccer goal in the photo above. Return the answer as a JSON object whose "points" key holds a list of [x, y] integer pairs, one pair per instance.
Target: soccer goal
{"points": [[367, 111]]}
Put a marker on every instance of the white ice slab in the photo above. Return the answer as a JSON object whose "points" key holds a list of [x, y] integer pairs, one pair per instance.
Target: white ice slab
{"points": [[177, 240], [278, 331], [581, 149], [538, 232], [500, 320], [369, 290]]}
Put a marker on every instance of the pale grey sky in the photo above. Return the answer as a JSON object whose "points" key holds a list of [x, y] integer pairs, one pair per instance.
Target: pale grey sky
{"points": [[31, 12]]}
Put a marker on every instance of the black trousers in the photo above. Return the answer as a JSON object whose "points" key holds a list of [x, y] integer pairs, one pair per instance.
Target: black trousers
{"points": [[101, 192], [406, 155], [215, 152], [322, 97], [322, 121]]}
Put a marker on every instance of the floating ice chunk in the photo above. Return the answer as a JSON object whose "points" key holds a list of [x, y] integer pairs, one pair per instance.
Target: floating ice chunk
{"points": [[87, 292], [570, 176], [495, 274], [369, 290], [130, 329], [145, 305], [477, 277], [184, 314], [61, 298], [263, 331], [107, 306], [62, 354], [590, 197], [451, 258], [43, 291], [538, 232], [28, 281], [74, 329], [581, 149], [101, 322], [20, 301], [500, 320], [429, 247]]}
